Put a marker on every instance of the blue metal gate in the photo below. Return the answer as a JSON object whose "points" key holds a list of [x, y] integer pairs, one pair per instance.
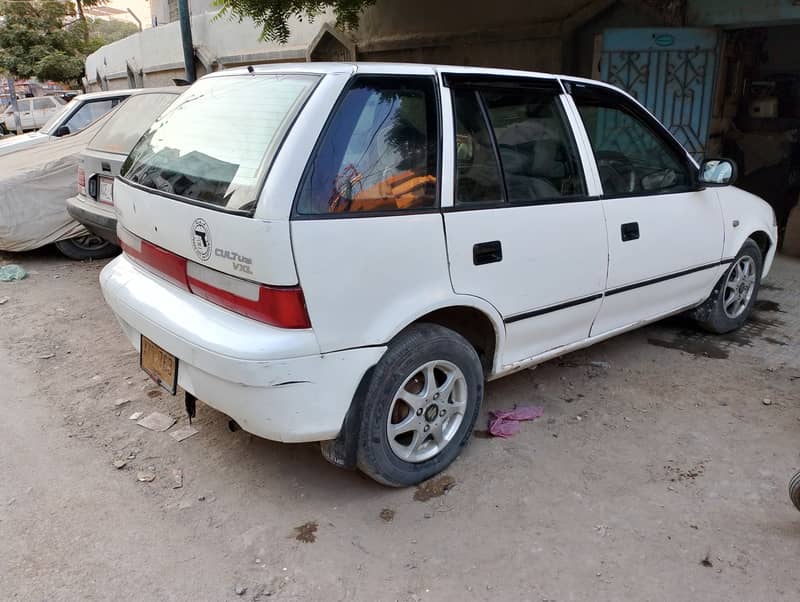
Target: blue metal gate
{"points": [[671, 71]]}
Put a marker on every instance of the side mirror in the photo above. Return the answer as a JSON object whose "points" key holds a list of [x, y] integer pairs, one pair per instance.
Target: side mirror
{"points": [[717, 172], [62, 131]]}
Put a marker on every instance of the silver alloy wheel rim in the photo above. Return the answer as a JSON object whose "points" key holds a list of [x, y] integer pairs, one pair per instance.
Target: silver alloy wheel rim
{"points": [[427, 411], [90, 242], [739, 287]]}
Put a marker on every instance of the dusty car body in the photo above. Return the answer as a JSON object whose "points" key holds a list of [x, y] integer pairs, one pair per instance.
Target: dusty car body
{"points": [[100, 163], [355, 250]]}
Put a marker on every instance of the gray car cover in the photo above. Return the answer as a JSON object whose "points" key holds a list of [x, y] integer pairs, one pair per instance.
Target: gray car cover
{"points": [[34, 186]]}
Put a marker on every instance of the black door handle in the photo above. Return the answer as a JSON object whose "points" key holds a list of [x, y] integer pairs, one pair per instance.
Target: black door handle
{"points": [[630, 231], [487, 252]]}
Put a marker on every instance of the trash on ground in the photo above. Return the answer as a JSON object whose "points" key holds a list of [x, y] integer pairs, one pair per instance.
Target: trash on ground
{"points": [[240, 590], [306, 533], [183, 433], [12, 272], [46, 356], [4, 300], [177, 478], [435, 487], [119, 464], [505, 423], [157, 422], [767, 401], [135, 416], [146, 476], [121, 402], [387, 515]]}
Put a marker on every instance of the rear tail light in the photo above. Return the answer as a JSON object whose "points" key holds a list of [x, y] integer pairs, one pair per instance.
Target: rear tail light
{"points": [[283, 307], [81, 181]]}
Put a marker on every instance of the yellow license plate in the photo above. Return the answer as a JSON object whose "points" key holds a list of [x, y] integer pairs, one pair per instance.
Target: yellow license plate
{"points": [[161, 366]]}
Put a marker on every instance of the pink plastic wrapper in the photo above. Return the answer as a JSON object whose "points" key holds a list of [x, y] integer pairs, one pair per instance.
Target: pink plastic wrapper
{"points": [[505, 423]]}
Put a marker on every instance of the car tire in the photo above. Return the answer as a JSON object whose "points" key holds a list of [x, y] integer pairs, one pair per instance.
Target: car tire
{"points": [[734, 295], [420, 406], [89, 246], [794, 490]]}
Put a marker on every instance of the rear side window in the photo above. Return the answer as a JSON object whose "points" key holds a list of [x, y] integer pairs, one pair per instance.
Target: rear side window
{"points": [[215, 143], [538, 157], [127, 125], [379, 151], [43, 104]]}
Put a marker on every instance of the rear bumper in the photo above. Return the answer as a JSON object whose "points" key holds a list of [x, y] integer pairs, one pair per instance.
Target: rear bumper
{"points": [[273, 382], [98, 218]]}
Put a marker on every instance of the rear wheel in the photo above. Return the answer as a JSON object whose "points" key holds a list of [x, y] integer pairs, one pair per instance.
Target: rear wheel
{"points": [[732, 299], [89, 246], [419, 409]]}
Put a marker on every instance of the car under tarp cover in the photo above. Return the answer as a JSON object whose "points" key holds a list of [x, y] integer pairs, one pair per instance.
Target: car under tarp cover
{"points": [[34, 186]]}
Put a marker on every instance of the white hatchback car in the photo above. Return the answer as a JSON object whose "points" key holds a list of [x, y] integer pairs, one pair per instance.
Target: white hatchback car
{"points": [[346, 252]]}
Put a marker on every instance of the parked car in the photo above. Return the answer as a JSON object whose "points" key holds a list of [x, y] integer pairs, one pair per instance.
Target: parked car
{"points": [[73, 117], [33, 113], [93, 206], [35, 184], [345, 253]]}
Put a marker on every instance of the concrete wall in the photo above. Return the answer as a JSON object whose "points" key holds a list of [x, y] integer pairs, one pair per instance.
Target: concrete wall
{"points": [[520, 34], [742, 13]]}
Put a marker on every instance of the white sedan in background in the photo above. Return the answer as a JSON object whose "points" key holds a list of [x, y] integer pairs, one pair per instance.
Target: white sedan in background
{"points": [[345, 253]]}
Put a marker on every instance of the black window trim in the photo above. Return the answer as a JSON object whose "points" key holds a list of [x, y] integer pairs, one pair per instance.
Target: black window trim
{"points": [[651, 123], [480, 82], [295, 215]]}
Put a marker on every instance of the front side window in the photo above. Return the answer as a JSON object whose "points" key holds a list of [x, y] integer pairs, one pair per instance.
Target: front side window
{"points": [[89, 113], [215, 143], [632, 157], [379, 151]]}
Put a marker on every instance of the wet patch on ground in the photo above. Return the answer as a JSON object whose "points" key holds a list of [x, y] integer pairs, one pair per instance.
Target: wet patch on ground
{"points": [[695, 342], [306, 533], [435, 487], [767, 305]]}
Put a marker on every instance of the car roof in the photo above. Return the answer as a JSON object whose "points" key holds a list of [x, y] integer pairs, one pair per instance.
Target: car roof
{"points": [[325, 68], [127, 92]]}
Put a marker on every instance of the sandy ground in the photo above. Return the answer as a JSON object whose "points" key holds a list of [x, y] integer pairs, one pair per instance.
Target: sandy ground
{"points": [[657, 472]]}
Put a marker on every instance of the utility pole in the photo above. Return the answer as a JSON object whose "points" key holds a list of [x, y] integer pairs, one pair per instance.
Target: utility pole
{"points": [[14, 106], [186, 38]]}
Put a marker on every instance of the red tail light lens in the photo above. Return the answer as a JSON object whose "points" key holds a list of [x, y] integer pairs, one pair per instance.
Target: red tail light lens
{"points": [[284, 307], [166, 264]]}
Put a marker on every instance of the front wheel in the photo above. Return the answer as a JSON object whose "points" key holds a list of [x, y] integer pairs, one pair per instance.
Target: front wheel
{"points": [[419, 409], [732, 299], [89, 246], [794, 490]]}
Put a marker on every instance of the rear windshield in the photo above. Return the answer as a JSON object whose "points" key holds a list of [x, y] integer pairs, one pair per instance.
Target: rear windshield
{"points": [[127, 125], [215, 143]]}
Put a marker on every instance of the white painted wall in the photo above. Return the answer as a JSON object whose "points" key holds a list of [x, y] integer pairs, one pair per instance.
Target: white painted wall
{"points": [[158, 49]]}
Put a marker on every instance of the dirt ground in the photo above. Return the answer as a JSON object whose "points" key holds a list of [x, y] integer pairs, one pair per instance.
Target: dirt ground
{"points": [[658, 472]]}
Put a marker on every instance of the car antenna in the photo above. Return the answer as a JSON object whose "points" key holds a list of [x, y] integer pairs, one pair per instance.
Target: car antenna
{"points": [[250, 69]]}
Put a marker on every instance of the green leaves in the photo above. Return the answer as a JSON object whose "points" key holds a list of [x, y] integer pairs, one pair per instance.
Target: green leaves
{"points": [[273, 15], [41, 38]]}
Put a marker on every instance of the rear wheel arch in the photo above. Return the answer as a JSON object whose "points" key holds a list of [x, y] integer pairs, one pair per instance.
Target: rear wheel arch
{"points": [[471, 323]]}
